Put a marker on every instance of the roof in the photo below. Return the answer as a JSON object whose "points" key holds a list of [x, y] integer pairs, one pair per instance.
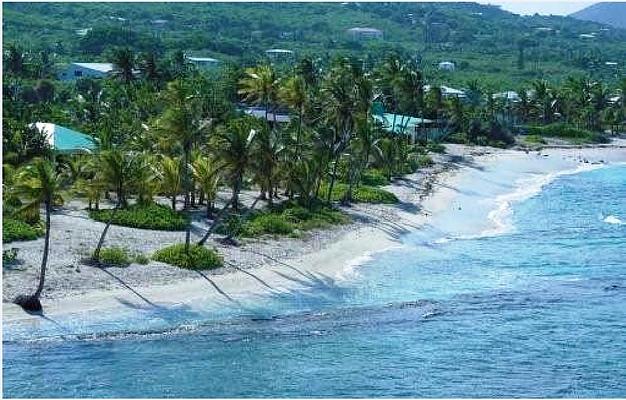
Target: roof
{"points": [[283, 51], [259, 112], [403, 123], [202, 59], [102, 67], [446, 63], [365, 30], [508, 95], [65, 140], [447, 91]]}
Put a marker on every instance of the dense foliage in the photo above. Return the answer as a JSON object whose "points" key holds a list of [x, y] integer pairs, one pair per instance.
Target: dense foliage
{"points": [[151, 216], [197, 258], [13, 229], [483, 41]]}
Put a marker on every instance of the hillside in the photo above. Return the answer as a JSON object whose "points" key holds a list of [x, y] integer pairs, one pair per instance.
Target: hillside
{"points": [[613, 14], [483, 41]]}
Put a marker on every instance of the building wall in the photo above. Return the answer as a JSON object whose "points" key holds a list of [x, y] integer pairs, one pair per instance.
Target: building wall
{"points": [[73, 72]]}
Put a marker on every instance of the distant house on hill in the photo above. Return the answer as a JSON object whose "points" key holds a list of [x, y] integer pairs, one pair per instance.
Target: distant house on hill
{"points": [[365, 33], [204, 62], [85, 70], [448, 92], [280, 55], [446, 66]]}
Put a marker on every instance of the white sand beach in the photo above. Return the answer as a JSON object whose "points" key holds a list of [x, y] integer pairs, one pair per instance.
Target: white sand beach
{"points": [[467, 192]]}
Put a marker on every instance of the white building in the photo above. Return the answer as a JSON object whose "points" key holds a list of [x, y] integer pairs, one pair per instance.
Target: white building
{"points": [[204, 62], [85, 70], [447, 91], [280, 55], [365, 33], [446, 66], [508, 96]]}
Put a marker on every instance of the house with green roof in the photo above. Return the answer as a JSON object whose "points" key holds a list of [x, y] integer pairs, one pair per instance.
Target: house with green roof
{"points": [[64, 140]]}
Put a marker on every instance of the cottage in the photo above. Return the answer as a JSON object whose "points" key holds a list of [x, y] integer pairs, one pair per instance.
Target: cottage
{"points": [[279, 55], [446, 66], [204, 62], [65, 140], [85, 70], [365, 33]]}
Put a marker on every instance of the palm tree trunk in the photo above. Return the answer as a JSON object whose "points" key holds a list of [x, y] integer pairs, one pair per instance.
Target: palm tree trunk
{"points": [[46, 250], [218, 218], [96, 254], [174, 202], [187, 190], [332, 178]]}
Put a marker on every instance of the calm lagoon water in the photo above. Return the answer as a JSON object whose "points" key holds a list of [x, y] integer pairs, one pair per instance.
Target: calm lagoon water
{"points": [[537, 311]]}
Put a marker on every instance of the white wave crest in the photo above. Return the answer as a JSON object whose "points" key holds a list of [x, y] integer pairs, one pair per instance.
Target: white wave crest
{"points": [[612, 219]]}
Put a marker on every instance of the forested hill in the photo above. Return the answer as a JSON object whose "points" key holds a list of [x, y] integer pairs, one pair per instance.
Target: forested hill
{"points": [[483, 41], [607, 13]]}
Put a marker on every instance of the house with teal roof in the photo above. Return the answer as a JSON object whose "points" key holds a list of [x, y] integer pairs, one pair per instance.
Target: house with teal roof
{"points": [[65, 140]]}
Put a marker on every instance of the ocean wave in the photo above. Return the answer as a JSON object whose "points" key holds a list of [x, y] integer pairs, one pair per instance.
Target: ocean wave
{"points": [[526, 188], [613, 220]]}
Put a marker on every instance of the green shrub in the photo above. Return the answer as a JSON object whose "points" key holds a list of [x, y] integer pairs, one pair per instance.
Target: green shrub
{"points": [[367, 194], [361, 194], [534, 139], [273, 224], [151, 216], [141, 259], [422, 161], [14, 229], [374, 177], [9, 256], [436, 147], [288, 218], [199, 257], [565, 131], [116, 256]]}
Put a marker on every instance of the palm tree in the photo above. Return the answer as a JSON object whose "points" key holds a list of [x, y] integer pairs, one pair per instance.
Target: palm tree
{"points": [[118, 169], [170, 178], [14, 60], [206, 174], [293, 93], [124, 62], [234, 149], [181, 124], [260, 86], [39, 183], [543, 99]]}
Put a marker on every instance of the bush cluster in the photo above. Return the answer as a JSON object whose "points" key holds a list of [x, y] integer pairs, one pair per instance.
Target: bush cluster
{"points": [[565, 131], [199, 257], [374, 177], [361, 194], [151, 216], [14, 229], [288, 218], [121, 257]]}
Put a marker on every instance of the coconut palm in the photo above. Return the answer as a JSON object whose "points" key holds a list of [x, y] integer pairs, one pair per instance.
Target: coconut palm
{"points": [[117, 169], [180, 124], [124, 64], [260, 86], [234, 149], [206, 174], [36, 184], [293, 93], [169, 178]]}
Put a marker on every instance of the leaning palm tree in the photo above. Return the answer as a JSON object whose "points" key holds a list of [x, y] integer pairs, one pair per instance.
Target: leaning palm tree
{"points": [[234, 150], [38, 183], [117, 169]]}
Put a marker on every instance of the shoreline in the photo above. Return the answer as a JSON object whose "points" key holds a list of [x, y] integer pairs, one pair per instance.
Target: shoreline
{"points": [[425, 198]]}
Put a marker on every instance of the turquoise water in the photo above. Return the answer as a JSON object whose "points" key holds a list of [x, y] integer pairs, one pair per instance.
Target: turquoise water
{"points": [[538, 311]]}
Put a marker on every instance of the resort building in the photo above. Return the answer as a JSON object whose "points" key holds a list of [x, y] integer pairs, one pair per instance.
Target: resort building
{"points": [[85, 70], [65, 140], [204, 62], [508, 96], [446, 66], [448, 92], [259, 112], [280, 55], [365, 33]]}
